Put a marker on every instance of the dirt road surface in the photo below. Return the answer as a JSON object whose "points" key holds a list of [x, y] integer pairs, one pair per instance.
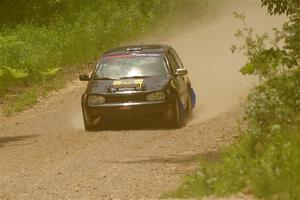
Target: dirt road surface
{"points": [[46, 154]]}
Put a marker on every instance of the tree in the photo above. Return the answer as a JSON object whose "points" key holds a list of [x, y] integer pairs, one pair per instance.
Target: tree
{"points": [[271, 59], [281, 6]]}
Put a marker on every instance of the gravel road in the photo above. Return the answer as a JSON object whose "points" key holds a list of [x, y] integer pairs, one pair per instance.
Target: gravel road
{"points": [[46, 154]]}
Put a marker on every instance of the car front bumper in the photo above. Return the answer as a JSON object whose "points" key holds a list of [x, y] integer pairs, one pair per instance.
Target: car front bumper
{"points": [[131, 110]]}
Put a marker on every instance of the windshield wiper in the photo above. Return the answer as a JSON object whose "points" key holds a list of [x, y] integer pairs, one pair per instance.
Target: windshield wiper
{"points": [[134, 77]]}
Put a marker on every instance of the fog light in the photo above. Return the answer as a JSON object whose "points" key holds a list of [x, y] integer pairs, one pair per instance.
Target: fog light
{"points": [[95, 100], [156, 96]]}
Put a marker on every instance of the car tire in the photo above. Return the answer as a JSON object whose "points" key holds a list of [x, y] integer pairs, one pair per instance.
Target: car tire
{"points": [[87, 126], [189, 106], [177, 120]]}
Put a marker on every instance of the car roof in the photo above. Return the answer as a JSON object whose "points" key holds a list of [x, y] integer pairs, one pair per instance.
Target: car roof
{"points": [[149, 48]]}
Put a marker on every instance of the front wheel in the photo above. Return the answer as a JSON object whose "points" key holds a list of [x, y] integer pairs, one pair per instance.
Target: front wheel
{"points": [[189, 106], [88, 126], [177, 120]]}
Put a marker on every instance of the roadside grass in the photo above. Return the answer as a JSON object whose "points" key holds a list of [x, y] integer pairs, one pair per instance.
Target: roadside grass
{"points": [[265, 160], [37, 55], [267, 169], [22, 98], [21, 102], [32, 55]]}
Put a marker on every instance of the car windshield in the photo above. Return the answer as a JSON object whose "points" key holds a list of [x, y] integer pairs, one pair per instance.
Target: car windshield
{"points": [[131, 65]]}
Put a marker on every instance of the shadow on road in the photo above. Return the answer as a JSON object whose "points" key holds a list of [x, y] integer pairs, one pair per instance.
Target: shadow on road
{"points": [[176, 159], [212, 156], [11, 141], [119, 125]]}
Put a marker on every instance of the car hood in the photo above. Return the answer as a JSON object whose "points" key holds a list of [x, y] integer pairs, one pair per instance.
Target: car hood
{"points": [[149, 84]]}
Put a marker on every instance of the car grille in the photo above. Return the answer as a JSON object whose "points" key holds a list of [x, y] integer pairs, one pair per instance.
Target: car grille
{"points": [[125, 99]]}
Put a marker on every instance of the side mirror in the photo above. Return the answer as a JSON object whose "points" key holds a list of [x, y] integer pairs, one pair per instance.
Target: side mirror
{"points": [[181, 72], [84, 77]]}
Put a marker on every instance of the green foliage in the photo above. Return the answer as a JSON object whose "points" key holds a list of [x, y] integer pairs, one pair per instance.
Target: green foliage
{"points": [[266, 159], [39, 39], [46, 12], [266, 166], [292, 38], [21, 103], [270, 56], [249, 68], [13, 12], [266, 57], [267, 156], [277, 101], [281, 6]]}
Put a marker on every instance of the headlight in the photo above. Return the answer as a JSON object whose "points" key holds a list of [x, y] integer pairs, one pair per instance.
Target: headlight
{"points": [[95, 100], [156, 96]]}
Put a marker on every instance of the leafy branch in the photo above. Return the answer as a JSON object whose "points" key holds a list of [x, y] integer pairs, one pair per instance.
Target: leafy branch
{"points": [[267, 56]]}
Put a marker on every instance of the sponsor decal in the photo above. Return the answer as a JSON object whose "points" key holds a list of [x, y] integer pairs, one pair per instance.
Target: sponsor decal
{"points": [[129, 82], [147, 55], [131, 55], [118, 56]]}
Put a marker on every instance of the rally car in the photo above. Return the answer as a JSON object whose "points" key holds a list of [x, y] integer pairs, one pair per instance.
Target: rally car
{"points": [[138, 82]]}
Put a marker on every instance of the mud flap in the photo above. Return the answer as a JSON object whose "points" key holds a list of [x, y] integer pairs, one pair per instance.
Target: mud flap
{"points": [[193, 98]]}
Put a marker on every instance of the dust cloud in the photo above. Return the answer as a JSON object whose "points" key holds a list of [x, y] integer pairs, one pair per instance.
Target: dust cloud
{"points": [[204, 47]]}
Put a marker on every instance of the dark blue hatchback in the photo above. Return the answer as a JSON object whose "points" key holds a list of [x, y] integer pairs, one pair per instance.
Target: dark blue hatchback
{"points": [[138, 82]]}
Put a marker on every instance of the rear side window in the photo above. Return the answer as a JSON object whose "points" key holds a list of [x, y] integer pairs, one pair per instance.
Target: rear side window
{"points": [[177, 59], [172, 62]]}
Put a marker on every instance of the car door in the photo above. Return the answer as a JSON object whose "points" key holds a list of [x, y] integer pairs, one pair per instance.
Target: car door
{"points": [[181, 84]]}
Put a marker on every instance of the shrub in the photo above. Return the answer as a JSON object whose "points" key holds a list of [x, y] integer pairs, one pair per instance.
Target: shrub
{"points": [[266, 159], [35, 49], [275, 102]]}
